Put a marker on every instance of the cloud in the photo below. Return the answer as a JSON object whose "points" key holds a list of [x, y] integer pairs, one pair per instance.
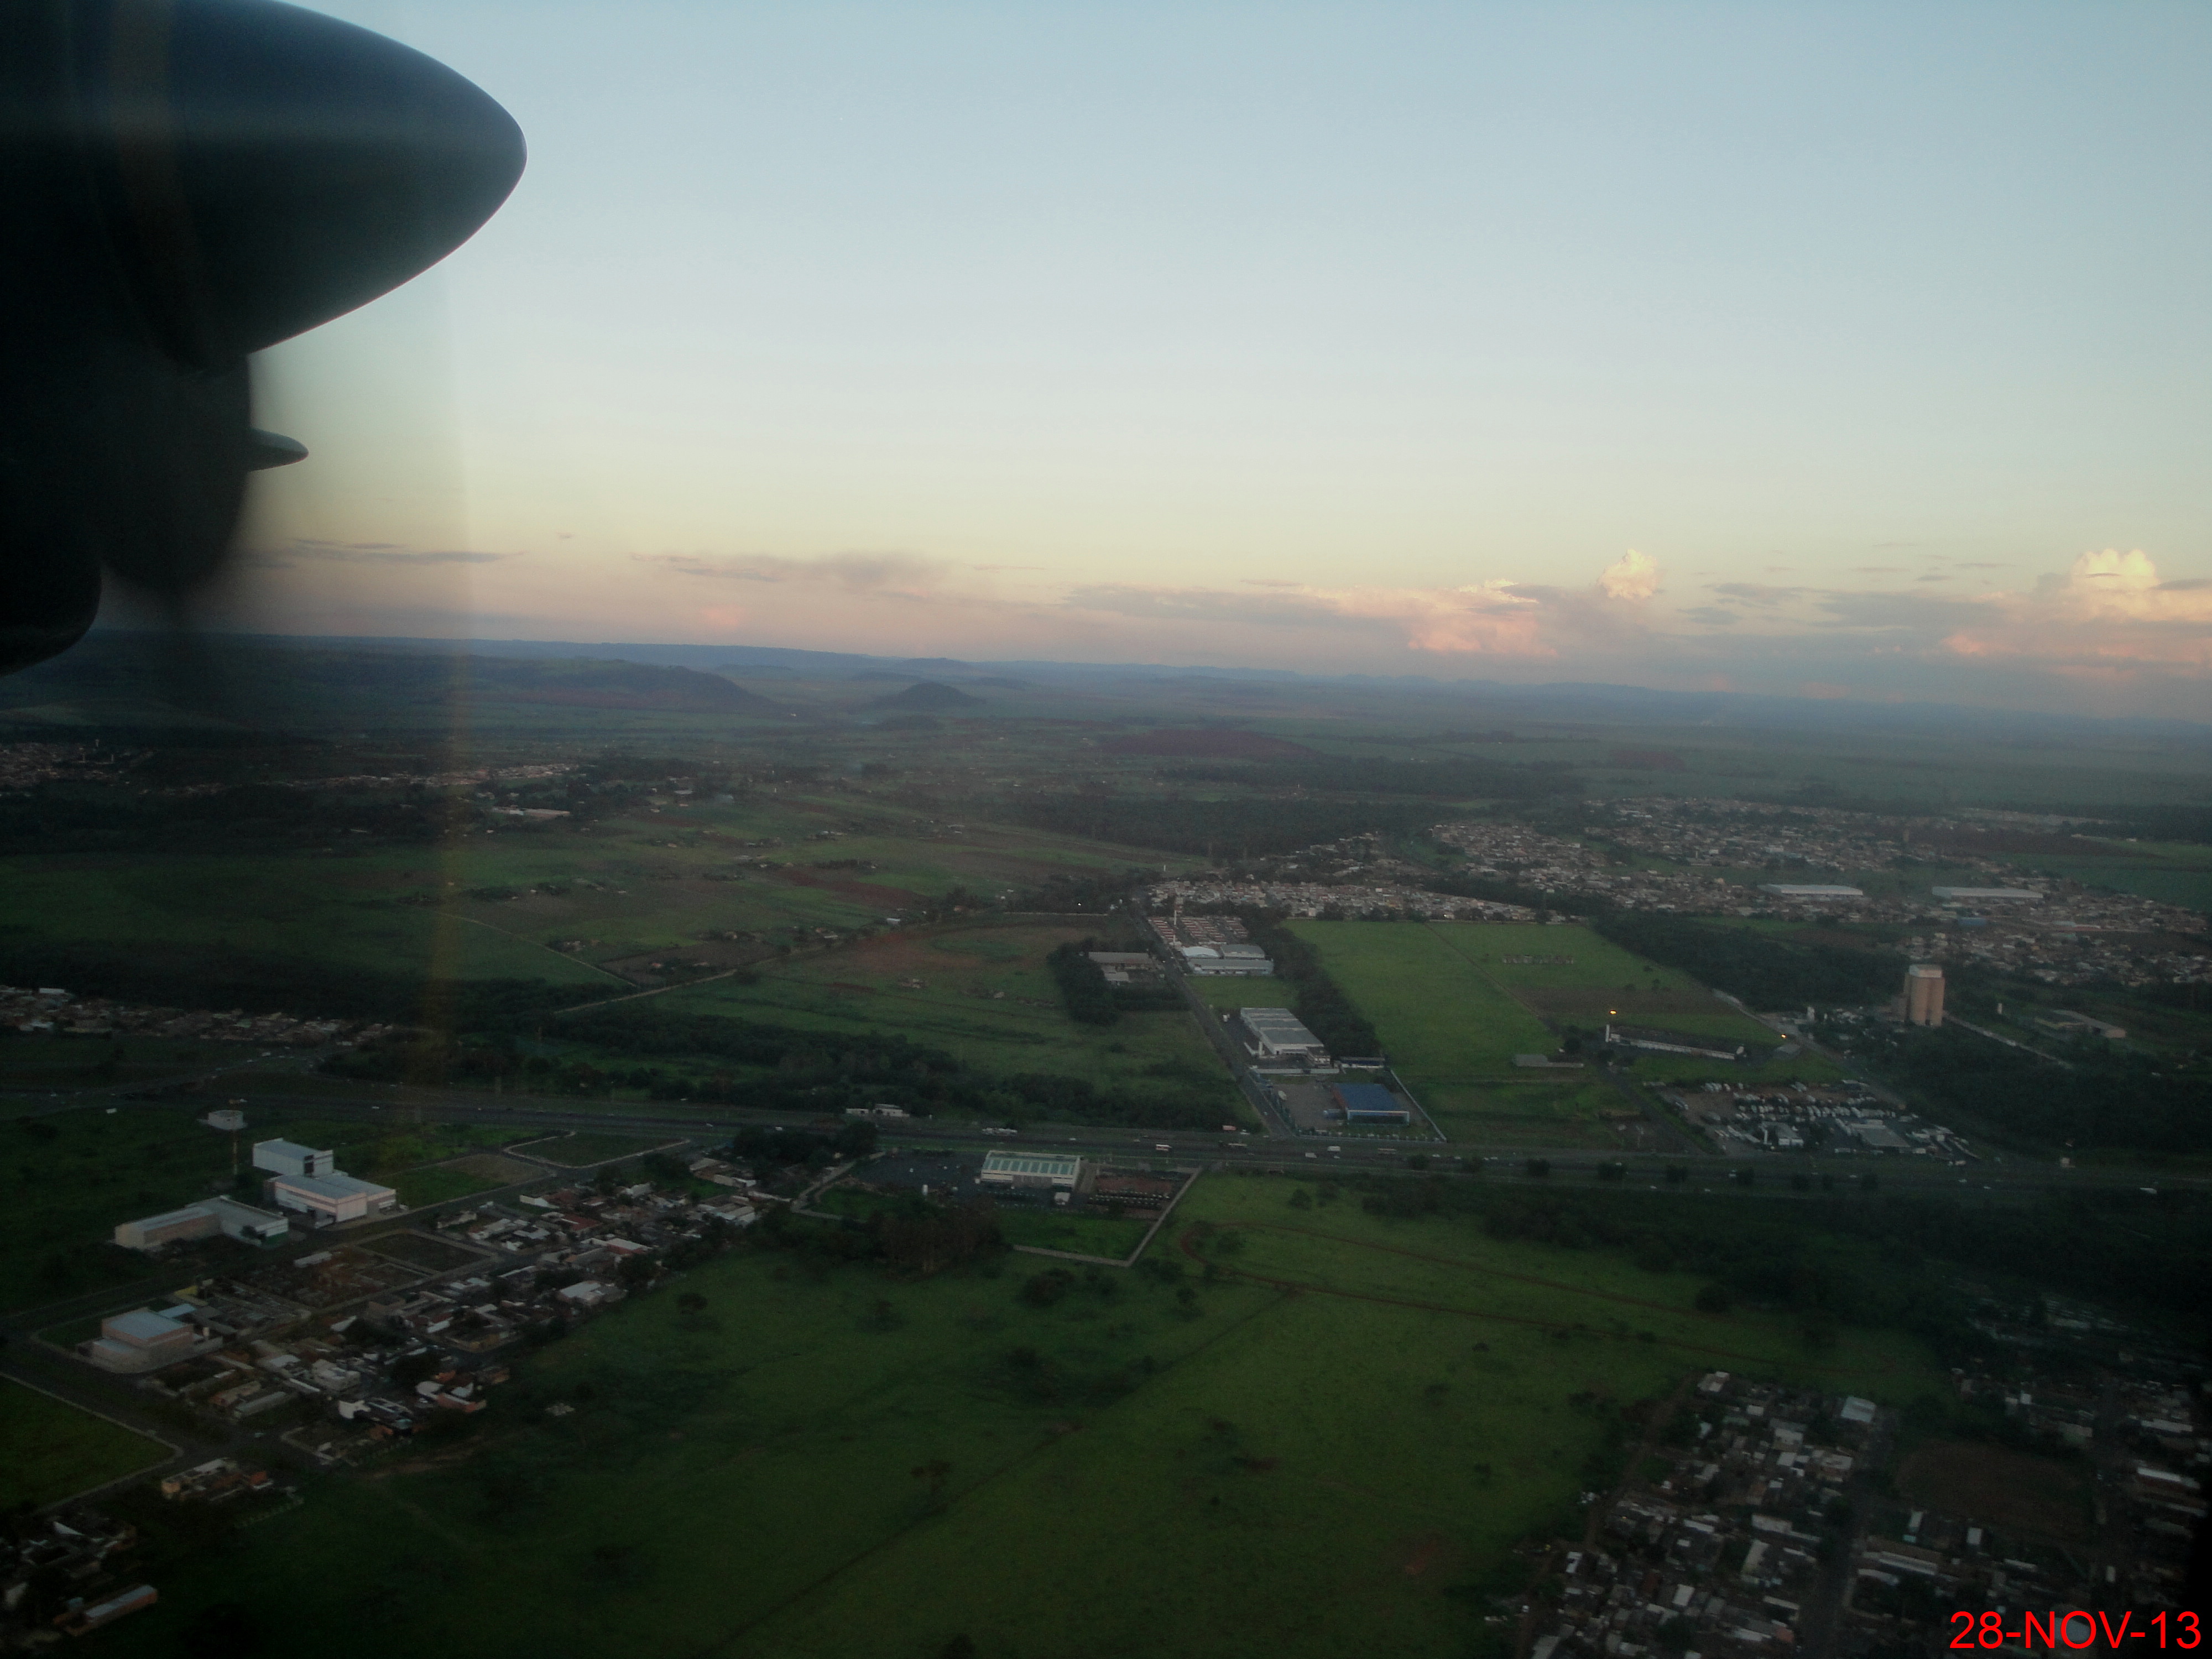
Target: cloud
{"points": [[1493, 618], [1633, 576], [1758, 593], [856, 573], [1712, 615], [2109, 611]]}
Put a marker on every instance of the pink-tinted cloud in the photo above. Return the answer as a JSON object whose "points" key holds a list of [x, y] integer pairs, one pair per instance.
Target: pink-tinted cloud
{"points": [[2110, 610]]}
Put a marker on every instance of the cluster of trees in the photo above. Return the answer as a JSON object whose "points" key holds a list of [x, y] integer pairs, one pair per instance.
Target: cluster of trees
{"points": [[1090, 999], [2104, 1097], [1320, 1004], [1765, 971], [921, 1237], [1865, 1259], [806, 1073]]}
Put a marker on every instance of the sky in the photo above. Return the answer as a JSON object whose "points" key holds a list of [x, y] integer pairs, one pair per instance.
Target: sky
{"points": [[1829, 349]]}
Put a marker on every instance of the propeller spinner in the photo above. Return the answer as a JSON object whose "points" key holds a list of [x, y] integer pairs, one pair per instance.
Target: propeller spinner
{"points": [[186, 182]]}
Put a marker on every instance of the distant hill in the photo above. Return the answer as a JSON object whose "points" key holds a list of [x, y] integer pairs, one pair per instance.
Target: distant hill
{"points": [[1207, 743], [928, 698], [585, 683]]}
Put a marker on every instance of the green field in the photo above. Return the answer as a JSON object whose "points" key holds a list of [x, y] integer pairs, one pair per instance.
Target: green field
{"points": [[2174, 872], [1453, 1008], [1274, 1474], [50, 1450], [1442, 1018], [1112, 1237], [1226, 992], [1049, 1229], [1603, 982], [985, 997], [417, 1188], [586, 1148]]}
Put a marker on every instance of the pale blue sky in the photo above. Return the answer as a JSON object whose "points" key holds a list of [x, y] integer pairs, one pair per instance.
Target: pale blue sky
{"points": [[803, 312]]}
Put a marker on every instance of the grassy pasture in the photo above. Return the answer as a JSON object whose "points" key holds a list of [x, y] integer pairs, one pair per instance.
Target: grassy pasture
{"points": [[1453, 1011], [585, 1147], [50, 1450], [1441, 1019], [1289, 1475], [985, 996], [625, 886], [1601, 980], [1226, 992]]}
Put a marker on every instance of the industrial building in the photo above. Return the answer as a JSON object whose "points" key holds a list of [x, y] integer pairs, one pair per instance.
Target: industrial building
{"points": [[329, 1199], [307, 1178], [2066, 1022], [1229, 958], [1052, 1169], [143, 1341], [1924, 994], [1125, 967], [1817, 891], [204, 1219], [289, 1157], [1369, 1103], [1278, 1034], [1987, 895]]}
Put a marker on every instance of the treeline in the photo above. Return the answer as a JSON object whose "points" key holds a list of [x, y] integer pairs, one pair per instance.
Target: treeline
{"points": [[1447, 779], [2115, 1098], [1321, 1006], [1232, 829], [88, 818], [771, 1067], [1091, 1000], [2189, 824], [1867, 1259], [167, 974], [1765, 971]]}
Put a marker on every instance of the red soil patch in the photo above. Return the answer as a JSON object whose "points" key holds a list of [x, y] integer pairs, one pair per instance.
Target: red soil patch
{"points": [[2018, 1490], [1207, 743]]}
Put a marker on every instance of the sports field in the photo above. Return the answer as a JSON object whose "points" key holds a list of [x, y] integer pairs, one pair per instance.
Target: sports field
{"points": [[50, 1450], [1359, 1415]]}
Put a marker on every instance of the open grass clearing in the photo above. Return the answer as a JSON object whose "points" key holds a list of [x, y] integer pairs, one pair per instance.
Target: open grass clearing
{"points": [[981, 992], [582, 1148], [1441, 1019], [50, 1450], [1289, 1475]]}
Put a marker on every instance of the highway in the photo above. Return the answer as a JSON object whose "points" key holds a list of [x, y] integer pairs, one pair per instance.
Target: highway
{"points": [[1569, 1165]]}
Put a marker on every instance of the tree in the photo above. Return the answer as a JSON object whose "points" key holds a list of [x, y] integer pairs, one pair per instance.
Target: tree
{"points": [[691, 1304], [1538, 1167]]}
